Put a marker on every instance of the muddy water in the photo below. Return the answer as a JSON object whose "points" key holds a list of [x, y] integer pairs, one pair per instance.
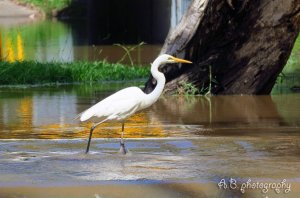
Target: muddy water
{"points": [[179, 146]]}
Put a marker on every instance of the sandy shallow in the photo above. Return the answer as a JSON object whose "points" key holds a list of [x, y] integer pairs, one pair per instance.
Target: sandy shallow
{"points": [[141, 190], [12, 14], [170, 167]]}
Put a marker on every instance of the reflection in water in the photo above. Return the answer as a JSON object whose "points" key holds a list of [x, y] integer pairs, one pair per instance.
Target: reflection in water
{"points": [[49, 114], [221, 111], [25, 111]]}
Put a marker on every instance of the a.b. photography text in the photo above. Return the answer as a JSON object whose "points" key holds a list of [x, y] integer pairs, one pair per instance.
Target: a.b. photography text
{"points": [[233, 184]]}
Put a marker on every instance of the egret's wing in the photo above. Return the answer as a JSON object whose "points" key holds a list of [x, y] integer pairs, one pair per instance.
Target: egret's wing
{"points": [[122, 110], [118, 105]]}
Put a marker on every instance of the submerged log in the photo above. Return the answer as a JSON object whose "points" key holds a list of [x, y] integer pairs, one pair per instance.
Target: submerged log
{"points": [[246, 43]]}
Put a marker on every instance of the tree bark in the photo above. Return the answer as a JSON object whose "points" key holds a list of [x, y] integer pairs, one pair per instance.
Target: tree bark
{"points": [[246, 43]]}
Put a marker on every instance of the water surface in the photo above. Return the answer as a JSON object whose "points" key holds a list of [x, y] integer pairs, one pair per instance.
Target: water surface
{"points": [[183, 140]]}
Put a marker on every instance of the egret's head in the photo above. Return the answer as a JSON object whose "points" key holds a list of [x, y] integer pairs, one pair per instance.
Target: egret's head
{"points": [[165, 58]]}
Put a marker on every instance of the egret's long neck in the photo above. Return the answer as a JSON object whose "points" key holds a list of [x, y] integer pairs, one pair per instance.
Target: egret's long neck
{"points": [[161, 80]]}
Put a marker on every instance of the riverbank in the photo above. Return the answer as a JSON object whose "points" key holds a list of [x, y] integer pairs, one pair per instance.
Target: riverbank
{"points": [[55, 8], [31, 72], [174, 190], [12, 13], [46, 8]]}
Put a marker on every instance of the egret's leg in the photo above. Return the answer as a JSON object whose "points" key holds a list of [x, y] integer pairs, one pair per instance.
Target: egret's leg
{"points": [[91, 133], [122, 134], [90, 137], [122, 144]]}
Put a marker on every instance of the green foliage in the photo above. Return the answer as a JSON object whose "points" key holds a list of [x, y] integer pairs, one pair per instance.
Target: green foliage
{"points": [[289, 77], [281, 78], [30, 72], [187, 89], [48, 5], [128, 50], [293, 63]]}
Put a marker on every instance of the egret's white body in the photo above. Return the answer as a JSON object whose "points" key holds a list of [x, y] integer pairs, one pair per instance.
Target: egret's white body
{"points": [[124, 103], [116, 107]]}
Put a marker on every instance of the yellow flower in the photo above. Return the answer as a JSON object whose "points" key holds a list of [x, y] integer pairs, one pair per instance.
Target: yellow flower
{"points": [[9, 51], [1, 57], [20, 48]]}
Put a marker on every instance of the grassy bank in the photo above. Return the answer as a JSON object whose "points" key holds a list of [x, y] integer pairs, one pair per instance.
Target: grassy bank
{"points": [[47, 6], [30, 72]]}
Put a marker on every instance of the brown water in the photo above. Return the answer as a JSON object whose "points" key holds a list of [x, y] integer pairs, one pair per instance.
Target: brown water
{"points": [[180, 147]]}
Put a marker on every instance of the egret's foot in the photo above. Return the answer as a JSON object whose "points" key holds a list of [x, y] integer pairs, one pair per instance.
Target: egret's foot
{"points": [[123, 150]]}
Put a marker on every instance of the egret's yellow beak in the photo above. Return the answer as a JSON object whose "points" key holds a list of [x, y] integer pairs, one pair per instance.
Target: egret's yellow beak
{"points": [[178, 60]]}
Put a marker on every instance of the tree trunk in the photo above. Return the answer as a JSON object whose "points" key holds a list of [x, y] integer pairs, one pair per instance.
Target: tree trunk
{"points": [[246, 43]]}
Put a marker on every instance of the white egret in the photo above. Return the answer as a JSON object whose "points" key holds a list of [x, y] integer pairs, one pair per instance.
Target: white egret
{"points": [[122, 104]]}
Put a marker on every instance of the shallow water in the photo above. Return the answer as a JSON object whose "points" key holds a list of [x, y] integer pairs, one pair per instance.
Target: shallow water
{"points": [[181, 141]]}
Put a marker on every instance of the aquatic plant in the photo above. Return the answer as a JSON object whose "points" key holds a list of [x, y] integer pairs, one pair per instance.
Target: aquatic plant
{"points": [[187, 88], [128, 50], [208, 93], [30, 72]]}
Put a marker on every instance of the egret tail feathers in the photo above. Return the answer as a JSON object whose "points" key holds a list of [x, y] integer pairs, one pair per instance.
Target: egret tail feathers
{"points": [[78, 116], [84, 116]]}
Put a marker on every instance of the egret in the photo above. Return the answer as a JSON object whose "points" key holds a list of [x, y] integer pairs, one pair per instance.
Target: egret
{"points": [[124, 103]]}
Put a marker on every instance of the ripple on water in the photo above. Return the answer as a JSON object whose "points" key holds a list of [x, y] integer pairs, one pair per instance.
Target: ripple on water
{"points": [[195, 159]]}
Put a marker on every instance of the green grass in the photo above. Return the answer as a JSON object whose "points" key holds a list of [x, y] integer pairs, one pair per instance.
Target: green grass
{"points": [[30, 72]]}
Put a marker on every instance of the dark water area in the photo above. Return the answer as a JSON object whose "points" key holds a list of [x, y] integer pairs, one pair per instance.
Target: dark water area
{"points": [[179, 142]]}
